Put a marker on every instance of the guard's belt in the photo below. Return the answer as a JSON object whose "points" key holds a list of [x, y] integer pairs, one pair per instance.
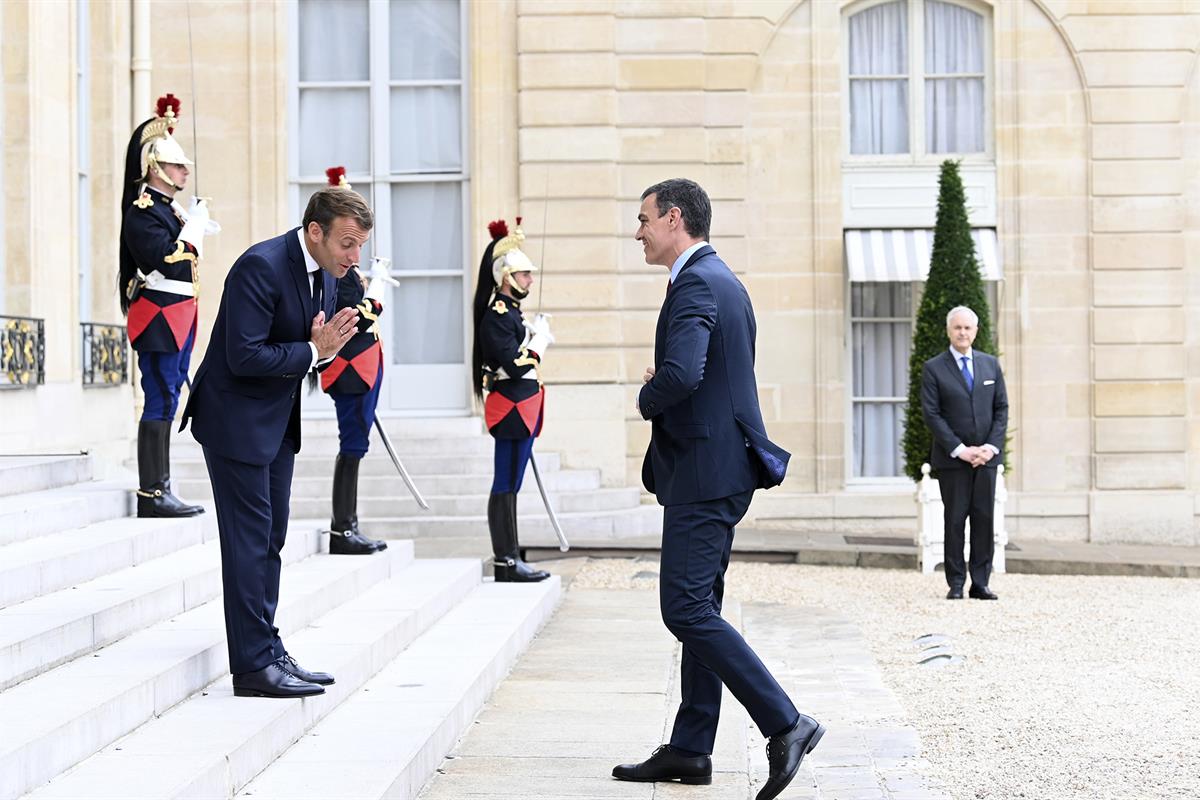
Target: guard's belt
{"points": [[157, 282]]}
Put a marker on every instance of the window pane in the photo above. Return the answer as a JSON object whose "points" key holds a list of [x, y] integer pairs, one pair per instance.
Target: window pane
{"points": [[333, 40], [334, 128], [953, 39], [878, 117], [954, 115], [427, 226], [429, 330], [893, 299], [425, 130], [881, 351], [878, 433], [879, 40], [424, 39]]}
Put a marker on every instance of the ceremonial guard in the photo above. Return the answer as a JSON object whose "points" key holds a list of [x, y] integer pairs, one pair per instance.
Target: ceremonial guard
{"points": [[158, 283], [505, 359], [352, 379]]}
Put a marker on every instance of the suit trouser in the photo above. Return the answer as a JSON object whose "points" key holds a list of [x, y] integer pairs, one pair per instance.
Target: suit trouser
{"points": [[697, 540], [968, 493], [252, 517]]}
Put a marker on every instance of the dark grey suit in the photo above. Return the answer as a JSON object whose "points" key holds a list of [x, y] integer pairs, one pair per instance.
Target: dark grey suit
{"points": [[972, 417]]}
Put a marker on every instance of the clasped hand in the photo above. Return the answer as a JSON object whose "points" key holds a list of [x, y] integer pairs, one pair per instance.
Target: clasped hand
{"points": [[977, 456], [328, 337]]}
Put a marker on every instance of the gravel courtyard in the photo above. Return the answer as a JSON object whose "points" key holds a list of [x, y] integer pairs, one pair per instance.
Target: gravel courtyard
{"points": [[1069, 687]]}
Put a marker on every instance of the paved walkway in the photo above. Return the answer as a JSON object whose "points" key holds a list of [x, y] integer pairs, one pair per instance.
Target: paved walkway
{"points": [[599, 686]]}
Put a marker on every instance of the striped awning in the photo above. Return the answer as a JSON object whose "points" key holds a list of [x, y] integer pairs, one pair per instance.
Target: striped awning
{"points": [[879, 255]]}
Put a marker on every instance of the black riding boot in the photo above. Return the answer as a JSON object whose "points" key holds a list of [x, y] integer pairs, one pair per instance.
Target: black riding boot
{"points": [[154, 498], [502, 524], [344, 538]]}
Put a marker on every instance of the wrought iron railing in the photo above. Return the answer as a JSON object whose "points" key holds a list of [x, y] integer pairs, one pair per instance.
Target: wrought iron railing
{"points": [[22, 352], [105, 354]]}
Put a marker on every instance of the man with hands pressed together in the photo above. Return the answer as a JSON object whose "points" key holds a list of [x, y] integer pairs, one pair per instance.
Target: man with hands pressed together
{"points": [[965, 405], [275, 323]]}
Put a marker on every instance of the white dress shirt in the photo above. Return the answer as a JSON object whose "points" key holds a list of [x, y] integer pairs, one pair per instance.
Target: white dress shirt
{"points": [[958, 362], [311, 266], [677, 267]]}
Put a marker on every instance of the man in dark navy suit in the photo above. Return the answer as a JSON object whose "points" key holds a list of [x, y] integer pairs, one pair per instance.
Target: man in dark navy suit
{"points": [[965, 405], [708, 453], [244, 408]]}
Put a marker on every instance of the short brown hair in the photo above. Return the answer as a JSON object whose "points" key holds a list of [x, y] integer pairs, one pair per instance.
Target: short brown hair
{"points": [[331, 202]]}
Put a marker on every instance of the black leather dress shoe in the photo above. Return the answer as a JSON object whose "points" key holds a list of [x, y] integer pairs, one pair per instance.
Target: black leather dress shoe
{"points": [[785, 752], [351, 543], [290, 666], [667, 764], [982, 593], [273, 681], [955, 593]]}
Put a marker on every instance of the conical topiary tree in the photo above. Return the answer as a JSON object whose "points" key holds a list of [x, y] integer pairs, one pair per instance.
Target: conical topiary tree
{"points": [[954, 280]]}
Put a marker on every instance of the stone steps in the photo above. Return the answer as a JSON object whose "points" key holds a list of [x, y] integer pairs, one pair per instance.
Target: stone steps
{"points": [[399, 503], [213, 744], [406, 447], [41, 633], [45, 511], [563, 480], [39, 566], [21, 474], [113, 660], [61, 717], [388, 739], [375, 464], [534, 527]]}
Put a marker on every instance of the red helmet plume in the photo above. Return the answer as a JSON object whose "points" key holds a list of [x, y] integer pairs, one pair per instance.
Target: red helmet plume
{"points": [[336, 176], [498, 229], [168, 106]]}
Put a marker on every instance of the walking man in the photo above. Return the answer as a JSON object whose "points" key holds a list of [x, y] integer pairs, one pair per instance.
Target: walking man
{"points": [[708, 453]]}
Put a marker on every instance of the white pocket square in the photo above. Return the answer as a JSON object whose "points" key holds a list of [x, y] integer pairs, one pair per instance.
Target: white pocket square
{"points": [[988, 383]]}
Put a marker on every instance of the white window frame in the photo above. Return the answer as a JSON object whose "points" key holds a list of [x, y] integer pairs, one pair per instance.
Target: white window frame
{"points": [[916, 89], [379, 85], [83, 143]]}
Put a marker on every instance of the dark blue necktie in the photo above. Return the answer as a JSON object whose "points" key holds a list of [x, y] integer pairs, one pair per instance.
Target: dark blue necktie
{"points": [[967, 375], [318, 293]]}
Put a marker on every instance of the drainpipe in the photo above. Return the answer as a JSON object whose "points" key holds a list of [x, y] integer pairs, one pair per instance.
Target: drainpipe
{"points": [[139, 63]]}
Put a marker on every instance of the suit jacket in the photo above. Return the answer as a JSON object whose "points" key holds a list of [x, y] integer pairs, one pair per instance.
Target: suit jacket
{"points": [[246, 394], [707, 437], [956, 416]]}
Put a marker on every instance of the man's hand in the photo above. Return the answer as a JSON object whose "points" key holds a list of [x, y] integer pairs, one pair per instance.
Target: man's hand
{"points": [[649, 374], [985, 455], [969, 455], [328, 337]]}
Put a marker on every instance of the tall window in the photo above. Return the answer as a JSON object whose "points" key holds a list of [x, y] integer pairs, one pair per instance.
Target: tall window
{"points": [[881, 320], [83, 145], [917, 79], [379, 89]]}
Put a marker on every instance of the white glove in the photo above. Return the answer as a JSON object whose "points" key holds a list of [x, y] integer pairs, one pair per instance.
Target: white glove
{"points": [[381, 278], [196, 225], [541, 338]]}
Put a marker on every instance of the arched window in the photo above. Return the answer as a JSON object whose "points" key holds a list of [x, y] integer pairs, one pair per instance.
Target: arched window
{"points": [[917, 80]]}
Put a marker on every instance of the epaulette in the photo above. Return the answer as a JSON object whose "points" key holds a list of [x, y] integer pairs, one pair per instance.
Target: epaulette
{"points": [[145, 201], [500, 308]]}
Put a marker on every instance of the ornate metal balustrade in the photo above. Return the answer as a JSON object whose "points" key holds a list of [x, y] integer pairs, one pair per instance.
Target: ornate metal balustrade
{"points": [[105, 354], [22, 352]]}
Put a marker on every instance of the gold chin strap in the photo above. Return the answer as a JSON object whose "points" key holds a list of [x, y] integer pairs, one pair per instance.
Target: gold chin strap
{"points": [[152, 166]]}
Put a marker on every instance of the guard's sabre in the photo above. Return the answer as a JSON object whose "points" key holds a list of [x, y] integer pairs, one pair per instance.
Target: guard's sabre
{"points": [[387, 443], [558, 531]]}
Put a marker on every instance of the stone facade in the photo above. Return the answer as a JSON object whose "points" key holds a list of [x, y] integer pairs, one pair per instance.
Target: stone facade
{"points": [[577, 105]]}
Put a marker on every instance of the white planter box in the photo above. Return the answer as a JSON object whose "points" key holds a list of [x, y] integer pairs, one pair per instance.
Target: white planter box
{"points": [[931, 533]]}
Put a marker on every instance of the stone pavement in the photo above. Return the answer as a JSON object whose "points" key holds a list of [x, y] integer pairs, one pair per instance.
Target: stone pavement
{"points": [[599, 686]]}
